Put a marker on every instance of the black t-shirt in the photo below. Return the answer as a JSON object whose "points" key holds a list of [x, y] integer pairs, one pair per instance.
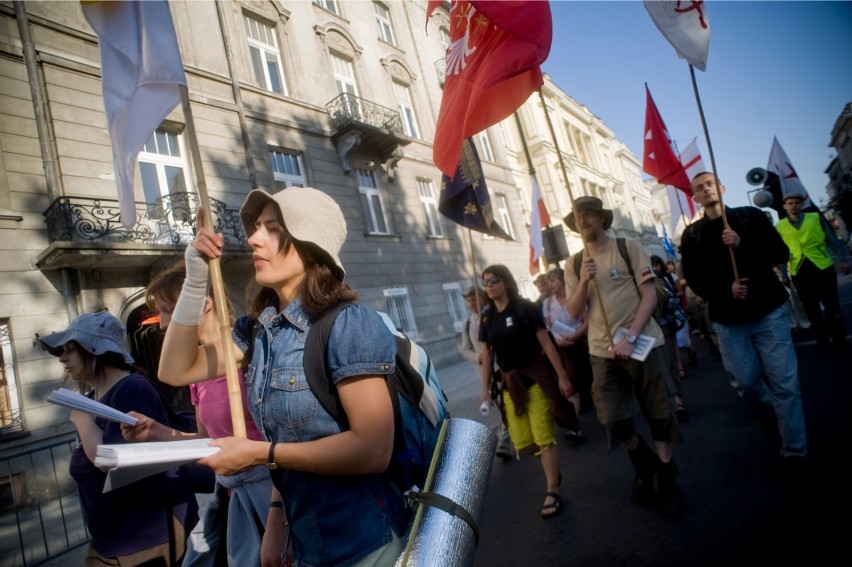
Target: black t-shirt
{"points": [[512, 333]]}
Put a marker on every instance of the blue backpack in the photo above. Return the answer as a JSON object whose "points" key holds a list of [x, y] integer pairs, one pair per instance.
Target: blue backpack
{"points": [[416, 395]]}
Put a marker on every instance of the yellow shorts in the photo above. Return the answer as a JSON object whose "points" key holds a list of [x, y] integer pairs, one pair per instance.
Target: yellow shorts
{"points": [[536, 426]]}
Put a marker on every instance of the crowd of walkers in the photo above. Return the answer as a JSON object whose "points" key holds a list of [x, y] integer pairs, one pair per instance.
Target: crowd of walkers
{"points": [[611, 331]]}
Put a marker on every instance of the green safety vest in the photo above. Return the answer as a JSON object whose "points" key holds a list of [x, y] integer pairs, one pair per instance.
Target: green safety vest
{"points": [[807, 241]]}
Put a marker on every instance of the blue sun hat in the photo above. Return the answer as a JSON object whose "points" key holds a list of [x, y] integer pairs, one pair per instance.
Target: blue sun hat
{"points": [[96, 333]]}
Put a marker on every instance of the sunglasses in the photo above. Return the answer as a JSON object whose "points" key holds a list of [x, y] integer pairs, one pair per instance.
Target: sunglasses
{"points": [[493, 280]]}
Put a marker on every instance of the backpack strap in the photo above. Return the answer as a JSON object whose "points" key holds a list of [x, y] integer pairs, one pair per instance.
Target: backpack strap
{"points": [[622, 249], [315, 363]]}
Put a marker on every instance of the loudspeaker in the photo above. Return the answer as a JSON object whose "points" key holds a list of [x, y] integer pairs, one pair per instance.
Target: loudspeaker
{"points": [[757, 176], [555, 247]]}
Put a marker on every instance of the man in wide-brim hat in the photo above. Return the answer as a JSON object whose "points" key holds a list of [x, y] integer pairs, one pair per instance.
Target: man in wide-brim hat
{"points": [[588, 205], [619, 382]]}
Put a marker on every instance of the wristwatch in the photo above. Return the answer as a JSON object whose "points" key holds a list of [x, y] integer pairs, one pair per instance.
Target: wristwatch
{"points": [[270, 458], [631, 339]]}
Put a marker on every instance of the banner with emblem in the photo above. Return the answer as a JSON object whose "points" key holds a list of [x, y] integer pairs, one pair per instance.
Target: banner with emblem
{"points": [[492, 68]]}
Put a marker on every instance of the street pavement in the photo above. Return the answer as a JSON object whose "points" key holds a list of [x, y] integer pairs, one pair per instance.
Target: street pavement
{"points": [[739, 510]]}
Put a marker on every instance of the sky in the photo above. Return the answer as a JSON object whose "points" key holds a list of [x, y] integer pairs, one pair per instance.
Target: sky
{"points": [[774, 69]]}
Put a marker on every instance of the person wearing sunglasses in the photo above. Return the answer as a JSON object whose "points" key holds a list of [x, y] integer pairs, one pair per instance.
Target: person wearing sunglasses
{"points": [[513, 331]]}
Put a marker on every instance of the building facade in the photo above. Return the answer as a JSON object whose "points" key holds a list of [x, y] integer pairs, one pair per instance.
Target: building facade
{"points": [[342, 96]]}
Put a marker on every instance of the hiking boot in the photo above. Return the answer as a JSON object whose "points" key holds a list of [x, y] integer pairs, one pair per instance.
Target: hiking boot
{"points": [[643, 489], [644, 462], [669, 498]]}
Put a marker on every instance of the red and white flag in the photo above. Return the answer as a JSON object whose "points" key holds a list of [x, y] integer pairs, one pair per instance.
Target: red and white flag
{"points": [[660, 160], [691, 160], [780, 165], [685, 25], [141, 74], [493, 61], [538, 220]]}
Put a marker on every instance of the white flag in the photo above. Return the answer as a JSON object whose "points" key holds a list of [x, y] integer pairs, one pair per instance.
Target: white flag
{"points": [[690, 157], [780, 165], [685, 25], [538, 218], [141, 71]]}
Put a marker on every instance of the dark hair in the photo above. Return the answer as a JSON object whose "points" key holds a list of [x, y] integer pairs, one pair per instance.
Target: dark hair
{"points": [[657, 260], [504, 274], [167, 284], [699, 174], [99, 363], [556, 273], [320, 289]]}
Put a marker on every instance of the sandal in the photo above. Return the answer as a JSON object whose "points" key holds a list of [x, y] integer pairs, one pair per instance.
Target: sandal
{"points": [[553, 508]]}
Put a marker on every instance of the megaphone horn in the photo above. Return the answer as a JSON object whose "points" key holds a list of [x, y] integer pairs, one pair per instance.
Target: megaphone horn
{"points": [[756, 176]]}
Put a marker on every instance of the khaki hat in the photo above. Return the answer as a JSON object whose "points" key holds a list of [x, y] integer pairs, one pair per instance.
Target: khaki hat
{"points": [[310, 216], [590, 205], [793, 195], [96, 333]]}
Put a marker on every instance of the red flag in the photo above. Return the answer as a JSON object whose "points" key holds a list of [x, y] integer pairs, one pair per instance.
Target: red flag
{"points": [[538, 220], [660, 160], [493, 63]]}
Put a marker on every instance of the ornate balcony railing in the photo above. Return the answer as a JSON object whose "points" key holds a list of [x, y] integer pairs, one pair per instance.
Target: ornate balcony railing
{"points": [[347, 109], [168, 220]]}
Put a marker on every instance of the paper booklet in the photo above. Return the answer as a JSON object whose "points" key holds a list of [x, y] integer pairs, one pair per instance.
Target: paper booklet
{"points": [[562, 331], [73, 400], [133, 461], [643, 345]]}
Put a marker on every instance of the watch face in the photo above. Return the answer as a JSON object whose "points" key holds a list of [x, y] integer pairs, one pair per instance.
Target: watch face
{"points": [[631, 339]]}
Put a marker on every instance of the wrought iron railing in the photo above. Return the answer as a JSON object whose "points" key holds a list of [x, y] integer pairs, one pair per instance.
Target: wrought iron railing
{"points": [[347, 109], [40, 514], [168, 220]]}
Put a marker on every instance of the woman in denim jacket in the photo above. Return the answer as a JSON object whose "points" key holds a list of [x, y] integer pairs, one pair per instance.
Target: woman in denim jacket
{"points": [[340, 503]]}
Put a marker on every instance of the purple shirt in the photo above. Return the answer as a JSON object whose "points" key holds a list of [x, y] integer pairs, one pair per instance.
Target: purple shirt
{"points": [[134, 517]]}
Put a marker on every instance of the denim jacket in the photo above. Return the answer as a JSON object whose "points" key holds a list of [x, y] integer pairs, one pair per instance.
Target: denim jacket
{"points": [[335, 520]]}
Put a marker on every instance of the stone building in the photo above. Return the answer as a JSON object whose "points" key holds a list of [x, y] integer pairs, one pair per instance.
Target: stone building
{"points": [[343, 96]]}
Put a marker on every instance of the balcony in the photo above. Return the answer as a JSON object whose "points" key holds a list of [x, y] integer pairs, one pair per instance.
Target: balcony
{"points": [[359, 124], [85, 232]]}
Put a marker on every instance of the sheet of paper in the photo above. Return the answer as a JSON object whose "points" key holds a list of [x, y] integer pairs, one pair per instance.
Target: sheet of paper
{"points": [[134, 461], [73, 400], [643, 345]]}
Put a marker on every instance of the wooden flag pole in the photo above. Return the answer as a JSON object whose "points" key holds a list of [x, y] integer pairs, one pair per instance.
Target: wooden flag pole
{"points": [[713, 167], [235, 395], [571, 198]]}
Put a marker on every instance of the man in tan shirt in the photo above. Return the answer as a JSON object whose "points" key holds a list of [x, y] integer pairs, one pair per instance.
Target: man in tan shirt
{"points": [[617, 300]]}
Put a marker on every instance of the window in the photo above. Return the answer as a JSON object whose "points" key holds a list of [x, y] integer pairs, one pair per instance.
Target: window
{"points": [[503, 216], [330, 5], [287, 168], [162, 165], [265, 58], [344, 75], [400, 312], [444, 37], [485, 146], [406, 109], [10, 408], [383, 22], [371, 201], [429, 199], [455, 304]]}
